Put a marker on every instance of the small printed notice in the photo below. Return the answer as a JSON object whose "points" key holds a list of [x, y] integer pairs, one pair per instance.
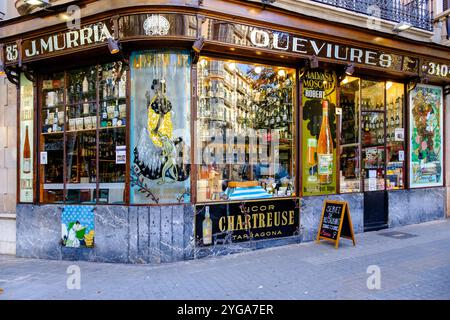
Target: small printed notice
{"points": [[399, 134], [401, 155], [121, 154], [44, 157]]}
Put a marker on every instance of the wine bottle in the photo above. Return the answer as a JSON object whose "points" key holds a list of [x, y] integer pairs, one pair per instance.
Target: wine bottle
{"points": [[85, 85], [325, 148], [26, 153]]}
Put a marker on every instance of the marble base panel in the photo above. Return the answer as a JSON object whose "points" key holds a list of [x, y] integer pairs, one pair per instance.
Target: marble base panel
{"points": [[122, 234], [311, 212], [159, 234], [416, 206]]}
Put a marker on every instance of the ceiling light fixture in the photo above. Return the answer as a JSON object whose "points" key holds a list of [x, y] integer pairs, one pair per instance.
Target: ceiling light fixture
{"points": [[313, 62], [2, 69], [401, 26], [113, 45], [41, 3], [198, 44], [349, 69]]}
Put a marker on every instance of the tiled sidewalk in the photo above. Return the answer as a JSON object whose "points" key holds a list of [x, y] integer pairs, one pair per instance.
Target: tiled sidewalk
{"points": [[412, 268]]}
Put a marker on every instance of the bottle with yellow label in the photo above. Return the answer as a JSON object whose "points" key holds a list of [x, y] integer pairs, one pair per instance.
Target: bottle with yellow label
{"points": [[207, 228], [325, 148]]}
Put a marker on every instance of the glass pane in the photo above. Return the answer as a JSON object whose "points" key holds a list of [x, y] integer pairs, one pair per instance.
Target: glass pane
{"points": [[26, 153], [160, 122], [52, 139], [81, 151], [373, 153], [319, 132], [349, 155], [81, 137], [395, 132], [245, 130], [372, 95], [112, 136], [112, 165]]}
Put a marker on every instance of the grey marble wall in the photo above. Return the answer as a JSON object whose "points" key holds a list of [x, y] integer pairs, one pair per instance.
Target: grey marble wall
{"points": [[416, 205], [160, 234], [122, 234], [311, 212]]}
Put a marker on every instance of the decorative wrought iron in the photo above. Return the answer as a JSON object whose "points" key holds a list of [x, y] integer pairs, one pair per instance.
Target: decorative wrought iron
{"points": [[417, 12]]}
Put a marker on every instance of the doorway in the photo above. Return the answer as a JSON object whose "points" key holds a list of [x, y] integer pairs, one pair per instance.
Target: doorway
{"points": [[372, 144]]}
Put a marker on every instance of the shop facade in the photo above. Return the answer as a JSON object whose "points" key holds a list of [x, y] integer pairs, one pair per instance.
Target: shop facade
{"points": [[172, 133]]}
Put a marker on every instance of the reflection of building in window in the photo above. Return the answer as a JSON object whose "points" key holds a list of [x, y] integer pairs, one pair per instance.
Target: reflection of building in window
{"points": [[241, 110]]}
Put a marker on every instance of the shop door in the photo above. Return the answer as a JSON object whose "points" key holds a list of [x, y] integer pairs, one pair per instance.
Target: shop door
{"points": [[372, 144], [373, 154]]}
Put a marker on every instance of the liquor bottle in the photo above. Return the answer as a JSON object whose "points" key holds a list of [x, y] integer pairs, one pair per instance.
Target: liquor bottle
{"points": [[85, 85], [55, 121], [26, 153], [325, 148], [207, 228], [122, 88], [85, 107], [397, 120]]}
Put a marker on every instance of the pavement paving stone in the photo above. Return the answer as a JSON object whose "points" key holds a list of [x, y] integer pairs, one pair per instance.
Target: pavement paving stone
{"points": [[414, 268]]}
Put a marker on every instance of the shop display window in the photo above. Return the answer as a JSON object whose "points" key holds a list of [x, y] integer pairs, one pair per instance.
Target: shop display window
{"points": [[160, 127], [82, 140], [349, 143], [245, 130], [372, 134], [395, 136]]}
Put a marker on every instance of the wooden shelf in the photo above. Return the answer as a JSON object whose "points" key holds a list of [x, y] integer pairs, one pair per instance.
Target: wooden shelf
{"points": [[83, 130]]}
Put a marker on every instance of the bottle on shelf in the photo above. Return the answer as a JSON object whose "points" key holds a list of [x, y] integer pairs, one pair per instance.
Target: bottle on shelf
{"points": [[85, 86]]}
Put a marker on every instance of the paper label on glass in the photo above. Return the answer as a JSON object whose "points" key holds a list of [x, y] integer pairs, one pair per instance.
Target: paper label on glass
{"points": [[372, 173], [121, 154], [372, 184], [325, 162], [401, 155], [338, 111], [399, 134], [44, 157]]}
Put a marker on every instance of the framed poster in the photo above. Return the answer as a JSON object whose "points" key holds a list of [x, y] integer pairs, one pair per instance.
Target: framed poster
{"points": [[426, 136], [319, 132], [26, 158]]}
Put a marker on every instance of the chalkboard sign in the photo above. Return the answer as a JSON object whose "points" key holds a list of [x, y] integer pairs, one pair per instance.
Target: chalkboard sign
{"points": [[335, 222]]}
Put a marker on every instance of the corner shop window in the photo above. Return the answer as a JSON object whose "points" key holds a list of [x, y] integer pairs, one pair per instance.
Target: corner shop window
{"points": [[349, 143], [245, 130], [75, 165], [160, 127]]}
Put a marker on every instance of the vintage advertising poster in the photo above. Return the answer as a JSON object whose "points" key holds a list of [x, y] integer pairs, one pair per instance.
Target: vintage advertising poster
{"points": [[77, 227], [26, 139], [160, 122], [319, 132], [217, 224], [426, 136]]}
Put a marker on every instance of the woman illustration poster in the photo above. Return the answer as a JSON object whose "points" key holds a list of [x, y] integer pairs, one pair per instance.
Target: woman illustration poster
{"points": [[72, 239]]}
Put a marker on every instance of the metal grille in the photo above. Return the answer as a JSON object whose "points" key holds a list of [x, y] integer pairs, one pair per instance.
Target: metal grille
{"points": [[417, 12]]}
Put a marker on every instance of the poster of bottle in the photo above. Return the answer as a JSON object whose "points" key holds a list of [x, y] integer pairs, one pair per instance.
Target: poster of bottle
{"points": [[426, 136], [160, 122], [77, 227], [26, 139], [319, 132]]}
